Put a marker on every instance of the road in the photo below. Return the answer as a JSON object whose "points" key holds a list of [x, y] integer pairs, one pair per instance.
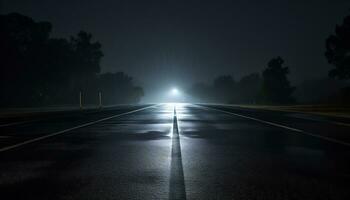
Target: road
{"points": [[175, 151]]}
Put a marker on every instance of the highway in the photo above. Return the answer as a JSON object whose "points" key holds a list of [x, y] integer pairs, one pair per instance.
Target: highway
{"points": [[175, 151]]}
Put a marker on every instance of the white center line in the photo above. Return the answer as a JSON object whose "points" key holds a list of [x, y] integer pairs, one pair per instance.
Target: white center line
{"points": [[177, 189]]}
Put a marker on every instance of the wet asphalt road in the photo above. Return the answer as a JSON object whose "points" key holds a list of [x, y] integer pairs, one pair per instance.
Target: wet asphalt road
{"points": [[191, 152]]}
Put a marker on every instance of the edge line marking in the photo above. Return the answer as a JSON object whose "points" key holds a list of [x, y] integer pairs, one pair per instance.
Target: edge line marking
{"points": [[280, 126], [70, 129]]}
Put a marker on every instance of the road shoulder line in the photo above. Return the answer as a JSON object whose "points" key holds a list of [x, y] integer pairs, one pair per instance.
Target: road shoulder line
{"points": [[69, 129], [16, 123], [280, 126]]}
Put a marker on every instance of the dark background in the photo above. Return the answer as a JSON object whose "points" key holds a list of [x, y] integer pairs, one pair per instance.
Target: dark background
{"points": [[176, 43]]}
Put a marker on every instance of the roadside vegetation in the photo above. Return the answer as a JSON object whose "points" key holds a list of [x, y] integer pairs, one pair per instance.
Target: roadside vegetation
{"points": [[38, 70], [272, 86]]}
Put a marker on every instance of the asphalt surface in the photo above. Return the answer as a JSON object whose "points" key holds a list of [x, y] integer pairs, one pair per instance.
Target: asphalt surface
{"points": [[175, 151]]}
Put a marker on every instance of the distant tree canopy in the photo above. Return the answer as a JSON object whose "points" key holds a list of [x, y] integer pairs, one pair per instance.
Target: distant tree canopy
{"points": [[324, 90], [224, 87], [39, 70], [249, 88], [272, 88], [338, 50], [201, 92], [276, 88], [117, 86]]}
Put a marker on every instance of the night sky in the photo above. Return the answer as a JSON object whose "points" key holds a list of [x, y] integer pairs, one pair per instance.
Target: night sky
{"points": [[170, 43]]}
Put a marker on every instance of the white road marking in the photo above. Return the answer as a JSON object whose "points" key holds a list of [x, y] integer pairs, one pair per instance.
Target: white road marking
{"points": [[340, 123], [16, 123], [297, 112], [69, 129], [176, 182], [281, 126]]}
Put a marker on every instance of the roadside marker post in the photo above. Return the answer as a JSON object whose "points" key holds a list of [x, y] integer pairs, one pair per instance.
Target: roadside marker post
{"points": [[80, 101], [100, 99]]}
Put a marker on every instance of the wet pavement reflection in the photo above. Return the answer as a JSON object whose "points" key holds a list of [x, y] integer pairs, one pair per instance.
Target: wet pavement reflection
{"points": [[174, 151]]}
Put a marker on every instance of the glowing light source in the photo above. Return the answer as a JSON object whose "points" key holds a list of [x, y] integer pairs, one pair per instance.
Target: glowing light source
{"points": [[174, 92]]}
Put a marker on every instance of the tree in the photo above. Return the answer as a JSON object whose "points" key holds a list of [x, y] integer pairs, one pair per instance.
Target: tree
{"points": [[86, 60], [119, 88], [249, 87], [276, 87], [23, 42], [224, 87], [323, 90], [338, 50], [201, 92], [37, 70]]}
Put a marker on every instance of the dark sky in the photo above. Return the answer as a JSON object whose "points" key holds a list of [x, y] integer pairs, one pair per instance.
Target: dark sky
{"points": [[169, 43]]}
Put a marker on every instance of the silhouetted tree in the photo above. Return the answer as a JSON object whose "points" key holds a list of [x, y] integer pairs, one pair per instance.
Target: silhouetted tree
{"points": [[23, 44], [38, 70], [59, 61], [119, 88], [276, 88], [224, 87], [323, 90], [201, 92], [86, 61], [248, 88], [338, 50]]}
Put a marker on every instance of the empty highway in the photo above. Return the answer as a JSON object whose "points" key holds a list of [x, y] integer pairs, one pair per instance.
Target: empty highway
{"points": [[175, 151]]}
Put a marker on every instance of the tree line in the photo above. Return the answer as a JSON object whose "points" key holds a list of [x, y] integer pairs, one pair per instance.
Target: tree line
{"points": [[37, 69], [272, 86]]}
